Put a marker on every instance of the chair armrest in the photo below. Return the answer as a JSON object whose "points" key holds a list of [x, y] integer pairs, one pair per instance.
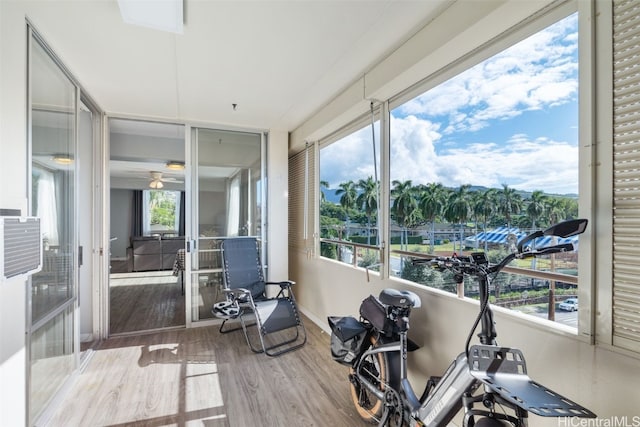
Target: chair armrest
{"points": [[283, 284]]}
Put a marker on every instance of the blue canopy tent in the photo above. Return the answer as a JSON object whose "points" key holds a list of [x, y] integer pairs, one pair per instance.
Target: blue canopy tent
{"points": [[499, 236], [495, 236]]}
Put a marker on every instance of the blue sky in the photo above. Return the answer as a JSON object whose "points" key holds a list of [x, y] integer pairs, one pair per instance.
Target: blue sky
{"points": [[511, 119]]}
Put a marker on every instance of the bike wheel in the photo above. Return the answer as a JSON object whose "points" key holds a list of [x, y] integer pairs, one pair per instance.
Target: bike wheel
{"points": [[379, 370]]}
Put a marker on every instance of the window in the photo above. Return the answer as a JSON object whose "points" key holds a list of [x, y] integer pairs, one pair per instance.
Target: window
{"points": [[349, 198], [161, 212], [492, 151]]}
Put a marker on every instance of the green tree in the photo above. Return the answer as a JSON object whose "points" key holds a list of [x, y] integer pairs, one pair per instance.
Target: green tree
{"points": [[323, 185], [554, 209], [484, 207], [509, 202], [348, 194], [536, 206], [422, 274], [570, 207], [367, 200], [458, 209], [404, 207], [431, 204], [162, 208]]}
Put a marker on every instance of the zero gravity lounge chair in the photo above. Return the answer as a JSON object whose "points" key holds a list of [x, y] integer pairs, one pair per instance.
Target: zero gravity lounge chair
{"points": [[278, 322]]}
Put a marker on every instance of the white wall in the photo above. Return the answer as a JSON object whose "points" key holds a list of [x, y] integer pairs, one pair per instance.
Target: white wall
{"points": [[604, 381], [13, 190], [120, 219]]}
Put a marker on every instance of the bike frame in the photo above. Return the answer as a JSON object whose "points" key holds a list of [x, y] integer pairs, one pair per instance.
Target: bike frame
{"points": [[500, 370], [455, 388]]}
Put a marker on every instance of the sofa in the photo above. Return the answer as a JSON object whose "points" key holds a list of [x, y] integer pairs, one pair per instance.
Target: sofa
{"points": [[154, 253]]}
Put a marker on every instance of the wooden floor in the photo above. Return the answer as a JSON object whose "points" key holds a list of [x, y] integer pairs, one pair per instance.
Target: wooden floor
{"points": [[143, 301], [199, 377]]}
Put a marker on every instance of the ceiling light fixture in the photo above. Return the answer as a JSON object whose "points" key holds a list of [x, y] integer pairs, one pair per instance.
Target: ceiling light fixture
{"points": [[163, 15], [174, 165], [62, 159], [156, 184]]}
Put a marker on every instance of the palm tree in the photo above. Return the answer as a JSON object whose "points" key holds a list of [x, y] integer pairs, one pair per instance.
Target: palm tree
{"points": [[348, 195], [536, 206], [367, 200], [323, 184], [554, 210], [485, 207], [431, 204], [458, 209], [570, 207], [404, 206], [509, 203]]}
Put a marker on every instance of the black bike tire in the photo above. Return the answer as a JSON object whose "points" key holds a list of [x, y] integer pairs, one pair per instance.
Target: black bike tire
{"points": [[388, 366]]}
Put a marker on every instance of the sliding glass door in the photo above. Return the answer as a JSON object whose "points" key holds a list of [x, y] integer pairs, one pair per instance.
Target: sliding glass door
{"points": [[52, 346], [147, 225], [227, 187]]}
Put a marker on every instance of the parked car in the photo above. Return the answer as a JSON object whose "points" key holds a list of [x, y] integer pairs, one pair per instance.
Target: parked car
{"points": [[570, 304]]}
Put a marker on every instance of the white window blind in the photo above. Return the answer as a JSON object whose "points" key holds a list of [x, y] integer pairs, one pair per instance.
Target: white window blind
{"points": [[626, 174], [301, 199]]}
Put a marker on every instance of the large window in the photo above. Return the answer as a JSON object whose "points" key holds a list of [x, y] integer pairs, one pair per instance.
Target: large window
{"points": [[492, 152], [474, 158], [349, 198], [161, 212]]}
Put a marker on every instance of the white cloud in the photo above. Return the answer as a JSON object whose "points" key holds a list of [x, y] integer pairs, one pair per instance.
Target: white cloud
{"points": [[350, 159], [413, 150], [523, 163], [538, 72]]}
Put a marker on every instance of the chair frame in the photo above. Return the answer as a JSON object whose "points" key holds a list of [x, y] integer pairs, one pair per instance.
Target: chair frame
{"points": [[249, 305]]}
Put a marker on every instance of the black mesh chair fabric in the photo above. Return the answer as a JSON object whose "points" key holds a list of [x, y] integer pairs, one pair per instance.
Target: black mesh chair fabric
{"points": [[277, 315], [242, 266]]}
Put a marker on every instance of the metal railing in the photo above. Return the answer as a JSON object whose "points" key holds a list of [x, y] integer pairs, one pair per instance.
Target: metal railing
{"points": [[536, 274]]}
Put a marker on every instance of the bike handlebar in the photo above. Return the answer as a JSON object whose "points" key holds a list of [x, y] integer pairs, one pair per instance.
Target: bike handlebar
{"points": [[477, 264]]}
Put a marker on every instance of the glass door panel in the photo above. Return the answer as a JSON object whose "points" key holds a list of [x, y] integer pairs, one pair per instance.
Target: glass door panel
{"points": [[147, 224], [227, 188], [53, 199]]}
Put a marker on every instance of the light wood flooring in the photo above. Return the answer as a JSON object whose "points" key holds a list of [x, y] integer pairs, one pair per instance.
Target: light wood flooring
{"points": [[199, 377], [143, 301]]}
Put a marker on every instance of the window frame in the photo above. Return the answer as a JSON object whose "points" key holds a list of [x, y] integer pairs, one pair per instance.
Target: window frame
{"points": [[363, 122], [587, 152], [147, 213]]}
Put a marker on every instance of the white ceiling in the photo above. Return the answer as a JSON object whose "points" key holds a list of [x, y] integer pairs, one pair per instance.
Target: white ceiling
{"points": [[279, 61]]}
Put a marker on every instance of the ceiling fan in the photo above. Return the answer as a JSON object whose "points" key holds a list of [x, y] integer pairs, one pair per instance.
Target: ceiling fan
{"points": [[156, 180]]}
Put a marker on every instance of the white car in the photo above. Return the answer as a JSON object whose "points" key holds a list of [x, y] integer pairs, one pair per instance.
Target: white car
{"points": [[570, 304]]}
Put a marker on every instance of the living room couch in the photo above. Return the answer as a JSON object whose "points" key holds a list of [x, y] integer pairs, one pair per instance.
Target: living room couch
{"points": [[154, 253]]}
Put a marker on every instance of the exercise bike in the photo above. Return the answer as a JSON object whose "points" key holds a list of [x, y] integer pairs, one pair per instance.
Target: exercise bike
{"points": [[489, 383]]}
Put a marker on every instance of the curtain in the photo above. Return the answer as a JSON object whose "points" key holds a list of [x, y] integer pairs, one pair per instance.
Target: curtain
{"points": [[46, 207], [137, 213], [233, 206], [181, 215], [146, 214]]}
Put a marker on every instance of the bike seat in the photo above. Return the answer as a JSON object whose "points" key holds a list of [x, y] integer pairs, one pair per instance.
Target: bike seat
{"points": [[396, 298]]}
